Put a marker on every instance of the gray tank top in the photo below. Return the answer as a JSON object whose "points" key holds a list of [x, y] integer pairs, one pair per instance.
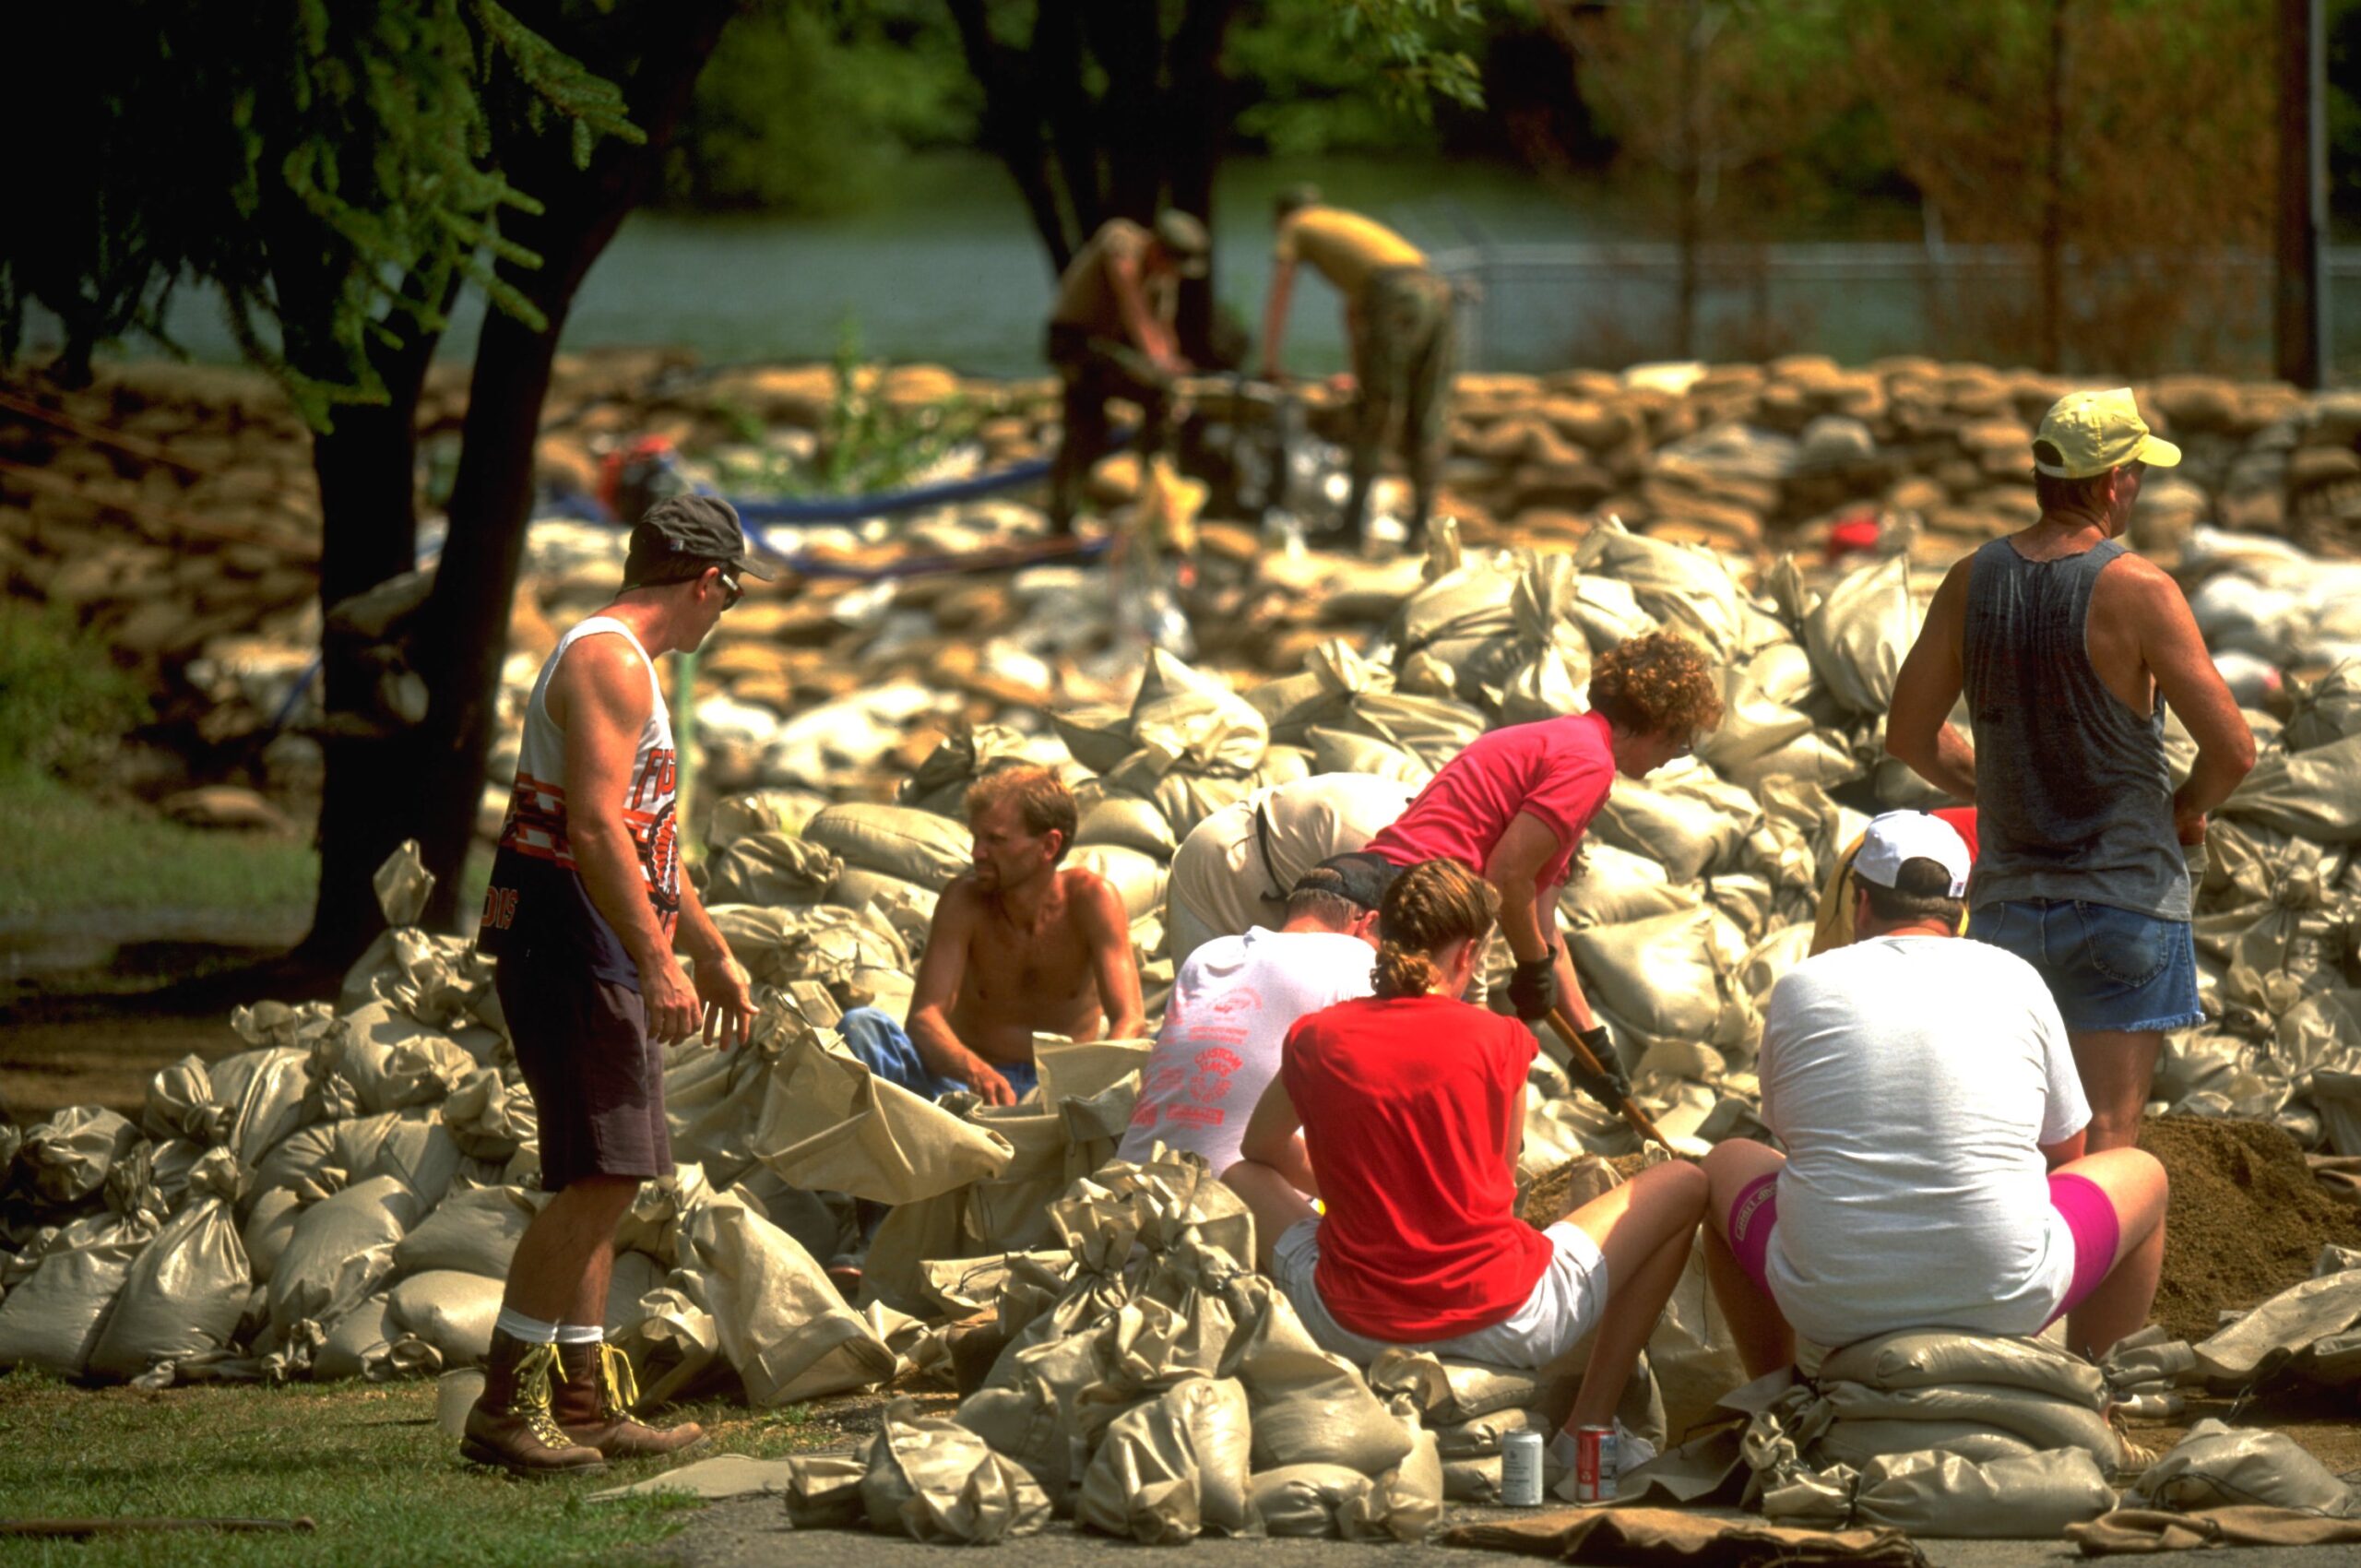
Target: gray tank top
{"points": [[2074, 799]]}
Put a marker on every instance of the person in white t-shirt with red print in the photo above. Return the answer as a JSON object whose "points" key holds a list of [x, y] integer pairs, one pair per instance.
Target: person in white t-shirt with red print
{"points": [[1232, 1005]]}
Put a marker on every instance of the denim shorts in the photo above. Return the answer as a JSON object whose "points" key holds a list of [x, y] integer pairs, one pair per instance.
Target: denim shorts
{"points": [[2106, 968]]}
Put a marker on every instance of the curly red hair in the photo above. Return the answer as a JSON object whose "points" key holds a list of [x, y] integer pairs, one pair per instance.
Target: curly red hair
{"points": [[1657, 684]]}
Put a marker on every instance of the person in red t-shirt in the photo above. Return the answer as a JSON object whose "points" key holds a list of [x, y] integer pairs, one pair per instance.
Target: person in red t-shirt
{"points": [[1516, 803], [1412, 1108]]}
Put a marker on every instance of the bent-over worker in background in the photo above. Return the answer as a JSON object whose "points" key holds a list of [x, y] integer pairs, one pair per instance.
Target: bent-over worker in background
{"points": [[1399, 324], [1935, 1173], [586, 902], [1233, 1002], [1411, 1107], [2070, 650], [1112, 335], [1018, 946], [1230, 872], [1516, 803]]}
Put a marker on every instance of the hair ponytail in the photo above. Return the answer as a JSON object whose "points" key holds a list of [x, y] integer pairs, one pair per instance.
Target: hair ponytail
{"points": [[1428, 907], [1402, 971]]}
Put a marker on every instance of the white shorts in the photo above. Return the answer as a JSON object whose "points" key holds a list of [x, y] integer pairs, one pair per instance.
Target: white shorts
{"points": [[1564, 1306]]}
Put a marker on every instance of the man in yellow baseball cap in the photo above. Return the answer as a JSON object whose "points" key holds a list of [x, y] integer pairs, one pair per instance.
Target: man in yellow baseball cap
{"points": [[2069, 651]]}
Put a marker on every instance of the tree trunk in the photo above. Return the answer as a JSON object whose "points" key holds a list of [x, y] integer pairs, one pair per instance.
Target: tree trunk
{"points": [[366, 467], [464, 626]]}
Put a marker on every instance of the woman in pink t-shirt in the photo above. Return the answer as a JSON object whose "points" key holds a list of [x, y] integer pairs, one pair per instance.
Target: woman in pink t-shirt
{"points": [[1515, 803], [1412, 1108]]}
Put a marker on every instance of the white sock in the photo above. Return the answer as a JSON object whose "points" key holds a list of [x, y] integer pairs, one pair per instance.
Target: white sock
{"points": [[580, 1333], [532, 1330]]}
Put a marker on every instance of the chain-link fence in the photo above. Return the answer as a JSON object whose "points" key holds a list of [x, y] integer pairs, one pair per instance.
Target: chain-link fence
{"points": [[1538, 307]]}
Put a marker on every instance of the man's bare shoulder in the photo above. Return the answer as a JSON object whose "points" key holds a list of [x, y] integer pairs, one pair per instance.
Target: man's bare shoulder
{"points": [[961, 903], [2134, 585], [1088, 894]]}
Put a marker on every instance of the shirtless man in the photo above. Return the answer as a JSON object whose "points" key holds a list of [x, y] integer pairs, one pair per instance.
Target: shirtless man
{"points": [[1018, 947]]}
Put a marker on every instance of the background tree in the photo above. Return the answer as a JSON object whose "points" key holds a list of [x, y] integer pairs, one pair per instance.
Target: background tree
{"points": [[337, 178]]}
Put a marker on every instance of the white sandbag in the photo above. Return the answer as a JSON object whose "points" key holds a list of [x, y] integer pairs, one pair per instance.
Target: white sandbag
{"points": [[933, 1480], [1446, 1391], [2039, 1420], [1406, 1504], [1187, 799], [472, 1232], [913, 845], [1174, 1467], [1481, 1435], [341, 1250], [1309, 1406], [2313, 794], [784, 1324], [827, 1123], [1193, 722], [489, 1119], [763, 811], [2326, 710], [1683, 818], [1859, 633], [773, 869], [1129, 822], [51, 1318], [1671, 977], [179, 1104], [1931, 1357], [1684, 586], [1342, 750], [1333, 674], [1754, 723], [66, 1158], [186, 1291], [2215, 1466], [1302, 1500], [1860, 1443], [452, 1312], [1944, 1497], [264, 1092], [1137, 879], [358, 1343], [266, 1230], [1432, 730], [420, 1152]]}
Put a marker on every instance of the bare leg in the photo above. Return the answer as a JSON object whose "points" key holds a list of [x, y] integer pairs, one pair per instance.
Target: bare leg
{"points": [[1277, 1206], [2135, 1183], [1644, 1228], [1765, 1343], [2116, 1068], [567, 1254]]}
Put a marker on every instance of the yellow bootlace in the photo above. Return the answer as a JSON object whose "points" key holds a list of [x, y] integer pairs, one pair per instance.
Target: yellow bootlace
{"points": [[618, 1389], [539, 1365]]}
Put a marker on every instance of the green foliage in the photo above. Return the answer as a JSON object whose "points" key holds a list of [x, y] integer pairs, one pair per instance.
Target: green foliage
{"points": [[1421, 48], [329, 169], [69, 852], [60, 693], [807, 105]]}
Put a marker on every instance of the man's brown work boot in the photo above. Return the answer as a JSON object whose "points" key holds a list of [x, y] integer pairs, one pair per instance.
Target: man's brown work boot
{"points": [[511, 1425], [594, 1406]]}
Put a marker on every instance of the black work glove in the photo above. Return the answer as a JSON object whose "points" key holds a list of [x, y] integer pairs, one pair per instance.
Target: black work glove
{"points": [[1609, 1086], [1533, 989]]}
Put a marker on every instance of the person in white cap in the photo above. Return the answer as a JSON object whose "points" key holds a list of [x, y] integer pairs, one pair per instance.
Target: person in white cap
{"points": [[1934, 1173], [2070, 651]]}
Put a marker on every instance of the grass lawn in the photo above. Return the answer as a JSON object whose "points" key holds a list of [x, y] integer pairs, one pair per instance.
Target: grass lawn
{"points": [[365, 1462], [67, 853]]}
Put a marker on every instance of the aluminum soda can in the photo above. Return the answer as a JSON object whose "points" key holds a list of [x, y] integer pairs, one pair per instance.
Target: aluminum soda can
{"points": [[1594, 1464], [1521, 1469]]}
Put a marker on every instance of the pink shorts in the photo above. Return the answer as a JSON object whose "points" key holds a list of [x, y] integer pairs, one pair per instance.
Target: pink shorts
{"points": [[2090, 1219]]}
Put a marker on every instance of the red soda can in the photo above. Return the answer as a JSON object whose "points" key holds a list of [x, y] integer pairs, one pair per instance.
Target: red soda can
{"points": [[1594, 1464]]}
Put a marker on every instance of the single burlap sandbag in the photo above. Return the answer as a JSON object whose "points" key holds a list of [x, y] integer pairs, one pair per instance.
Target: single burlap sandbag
{"points": [[1309, 1406], [784, 1324], [1345, 751], [2282, 1329], [2215, 1466], [1481, 1435], [66, 1158], [829, 1125], [2314, 795], [341, 1251], [357, 1343], [672, 1340], [916, 846], [823, 1492], [1302, 1500], [1671, 977], [1860, 633], [179, 1104], [761, 811], [1137, 879], [1432, 730], [1447, 1391], [264, 1092], [933, 1480], [1860, 1443], [2040, 1420], [1686, 587], [1934, 1358], [1406, 1504], [1683, 818], [1944, 1497], [51, 1318], [940, 784], [452, 1312], [1174, 1467], [188, 1288], [473, 1233], [1109, 816], [771, 870]]}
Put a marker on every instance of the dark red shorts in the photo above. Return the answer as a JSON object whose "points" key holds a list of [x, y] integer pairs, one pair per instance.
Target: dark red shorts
{"points": [[597, 1080]]}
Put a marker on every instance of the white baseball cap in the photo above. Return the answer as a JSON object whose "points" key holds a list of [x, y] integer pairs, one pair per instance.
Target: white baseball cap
{"points": [[1898, 837]]}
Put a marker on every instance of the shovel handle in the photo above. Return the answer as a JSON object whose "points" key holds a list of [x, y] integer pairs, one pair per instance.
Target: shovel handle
{"points": [[1640, 1119]]}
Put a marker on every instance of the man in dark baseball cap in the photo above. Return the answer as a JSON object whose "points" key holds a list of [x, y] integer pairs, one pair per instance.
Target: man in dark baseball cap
{"points": [[681, 536]]}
